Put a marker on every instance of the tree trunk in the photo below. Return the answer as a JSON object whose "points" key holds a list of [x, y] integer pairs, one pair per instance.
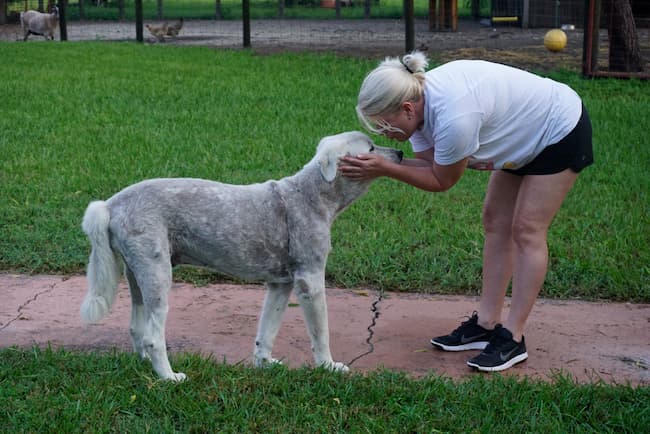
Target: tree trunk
{"points": [[624, 49]]}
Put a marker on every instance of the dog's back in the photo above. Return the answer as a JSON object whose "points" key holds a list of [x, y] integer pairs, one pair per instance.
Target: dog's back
{"points": [[240, 230]]}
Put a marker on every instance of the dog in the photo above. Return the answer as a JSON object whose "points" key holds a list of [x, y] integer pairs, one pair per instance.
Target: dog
{"points": [[277, 232]]}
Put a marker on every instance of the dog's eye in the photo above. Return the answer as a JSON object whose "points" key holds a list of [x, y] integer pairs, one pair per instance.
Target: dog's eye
{"points": [[372, 148]]}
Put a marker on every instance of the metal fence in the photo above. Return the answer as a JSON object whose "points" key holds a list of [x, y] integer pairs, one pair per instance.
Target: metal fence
{"points": [[363, 28]]}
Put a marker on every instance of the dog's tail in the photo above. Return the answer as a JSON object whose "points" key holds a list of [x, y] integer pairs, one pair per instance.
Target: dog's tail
{"points": [[104, 266]]}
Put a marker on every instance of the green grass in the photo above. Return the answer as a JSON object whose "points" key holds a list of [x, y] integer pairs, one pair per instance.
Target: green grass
{"points": [[83, 120], [61, 391], [259, 9], [232, 9]]}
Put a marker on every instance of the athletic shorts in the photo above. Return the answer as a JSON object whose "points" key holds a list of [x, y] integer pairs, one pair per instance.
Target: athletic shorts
{"points": [[572, 152]]}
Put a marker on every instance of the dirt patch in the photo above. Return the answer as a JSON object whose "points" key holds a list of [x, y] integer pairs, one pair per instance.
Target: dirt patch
{"points": [[366, 38], [588, 341]]}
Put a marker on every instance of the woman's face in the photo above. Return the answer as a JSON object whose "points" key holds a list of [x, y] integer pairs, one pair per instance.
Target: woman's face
{"points": [[401, 125]]}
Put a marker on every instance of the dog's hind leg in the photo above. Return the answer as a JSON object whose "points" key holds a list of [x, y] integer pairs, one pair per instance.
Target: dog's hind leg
{"points": [[275, 303], [153, 273], [137, 325], [310, 290]]}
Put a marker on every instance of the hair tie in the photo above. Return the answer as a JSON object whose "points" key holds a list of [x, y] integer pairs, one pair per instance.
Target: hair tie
{"points": [[407, 68]]}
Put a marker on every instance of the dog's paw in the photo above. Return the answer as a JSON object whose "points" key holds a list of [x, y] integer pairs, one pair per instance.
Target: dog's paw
{"points": [[177, 377], [336, 366], [266, 362], [144, 356]]}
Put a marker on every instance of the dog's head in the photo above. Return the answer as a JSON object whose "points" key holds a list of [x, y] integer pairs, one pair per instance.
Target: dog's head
{"points": [[331, 148]]}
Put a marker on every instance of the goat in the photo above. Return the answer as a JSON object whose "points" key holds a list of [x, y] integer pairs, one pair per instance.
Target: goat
{"points": [[38, 23]]}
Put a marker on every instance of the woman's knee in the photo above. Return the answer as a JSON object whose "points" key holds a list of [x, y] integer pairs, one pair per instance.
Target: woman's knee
{"points": [[496, 221], [528, 233]]}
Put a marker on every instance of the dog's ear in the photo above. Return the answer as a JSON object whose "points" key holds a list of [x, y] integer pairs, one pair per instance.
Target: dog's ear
{"points": [[327, 156], [328, 163]]}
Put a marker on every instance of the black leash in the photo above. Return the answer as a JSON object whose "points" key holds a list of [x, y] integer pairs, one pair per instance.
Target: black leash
{"points": [[375, 310]]}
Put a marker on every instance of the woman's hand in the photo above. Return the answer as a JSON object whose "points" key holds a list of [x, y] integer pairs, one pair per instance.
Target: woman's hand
{"points": [[363, 167]]}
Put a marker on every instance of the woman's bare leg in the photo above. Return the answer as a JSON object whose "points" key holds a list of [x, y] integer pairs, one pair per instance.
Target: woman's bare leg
{"points": [[498, 247], [539, 199]]}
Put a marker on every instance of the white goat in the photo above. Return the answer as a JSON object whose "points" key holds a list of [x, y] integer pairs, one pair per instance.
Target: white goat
{"points": [[38, 23]]}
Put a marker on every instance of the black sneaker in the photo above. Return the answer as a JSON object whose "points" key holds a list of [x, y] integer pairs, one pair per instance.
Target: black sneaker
{"points": [[469, 336], [501, 353]]}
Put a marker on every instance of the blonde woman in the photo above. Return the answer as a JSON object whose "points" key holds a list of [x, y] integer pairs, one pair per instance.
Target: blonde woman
{"points": [[533, 133]]}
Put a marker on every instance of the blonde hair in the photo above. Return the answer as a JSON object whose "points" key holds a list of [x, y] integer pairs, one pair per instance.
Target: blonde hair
{"points": [[386, 87]]}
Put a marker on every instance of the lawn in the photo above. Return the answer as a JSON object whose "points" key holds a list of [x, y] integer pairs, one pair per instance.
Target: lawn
{"points": [[80, 121], [259, 9], [87, 119], [232, 9], [61, 391]]}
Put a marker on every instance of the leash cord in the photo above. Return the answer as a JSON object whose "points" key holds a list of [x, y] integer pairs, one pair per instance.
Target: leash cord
{"points": [[375, 310]]}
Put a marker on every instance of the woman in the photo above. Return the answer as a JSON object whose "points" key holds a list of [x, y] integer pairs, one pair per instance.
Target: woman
{"points": [[533, 133]]}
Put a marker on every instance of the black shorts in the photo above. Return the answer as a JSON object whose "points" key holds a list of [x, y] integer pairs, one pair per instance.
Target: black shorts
{"points": [[572, 152]]}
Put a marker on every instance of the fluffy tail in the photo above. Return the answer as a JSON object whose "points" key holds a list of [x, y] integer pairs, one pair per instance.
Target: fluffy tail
{"points": [[104, 267]]}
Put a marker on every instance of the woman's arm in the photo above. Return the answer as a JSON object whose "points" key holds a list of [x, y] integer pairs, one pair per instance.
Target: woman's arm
{"points": [[421, 172]]}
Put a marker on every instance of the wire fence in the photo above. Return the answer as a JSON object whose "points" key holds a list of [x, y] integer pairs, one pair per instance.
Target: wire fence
{"points": [[497, 30]]}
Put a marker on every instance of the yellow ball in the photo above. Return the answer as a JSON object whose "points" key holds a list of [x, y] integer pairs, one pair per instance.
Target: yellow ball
{"points": [[555, 40]]}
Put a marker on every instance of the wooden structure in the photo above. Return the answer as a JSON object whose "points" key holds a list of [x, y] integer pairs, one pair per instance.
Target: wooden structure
{"points": [[443, 15], [626, 57]]}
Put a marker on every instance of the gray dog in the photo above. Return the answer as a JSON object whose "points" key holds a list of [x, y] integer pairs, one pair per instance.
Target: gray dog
{"points": [[277, 232]]}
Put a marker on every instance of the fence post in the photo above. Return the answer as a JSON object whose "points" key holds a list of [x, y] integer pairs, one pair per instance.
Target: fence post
{"points": [[138, 21], [217, 10], [246, 18], [409, 22], [63, 25]]}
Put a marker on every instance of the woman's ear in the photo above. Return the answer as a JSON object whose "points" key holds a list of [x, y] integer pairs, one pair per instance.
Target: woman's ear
{"points": [[409, 109]]}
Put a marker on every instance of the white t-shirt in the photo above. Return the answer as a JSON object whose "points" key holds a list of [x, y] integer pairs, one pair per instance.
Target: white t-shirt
{"points": [[498, 116]]}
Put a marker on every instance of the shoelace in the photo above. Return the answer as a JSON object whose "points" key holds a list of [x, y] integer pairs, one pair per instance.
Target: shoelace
{"points": [[464, 323]]}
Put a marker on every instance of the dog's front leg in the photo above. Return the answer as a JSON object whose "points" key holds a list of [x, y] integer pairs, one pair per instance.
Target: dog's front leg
{"points": [[275, 303], [310, 290]]}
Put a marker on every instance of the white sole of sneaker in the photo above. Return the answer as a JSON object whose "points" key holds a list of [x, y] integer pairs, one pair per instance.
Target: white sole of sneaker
{"points": [[509, 364], [471, 346]]}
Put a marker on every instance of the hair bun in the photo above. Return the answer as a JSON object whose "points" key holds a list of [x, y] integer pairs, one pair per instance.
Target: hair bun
{"points": [[415, 61]]}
